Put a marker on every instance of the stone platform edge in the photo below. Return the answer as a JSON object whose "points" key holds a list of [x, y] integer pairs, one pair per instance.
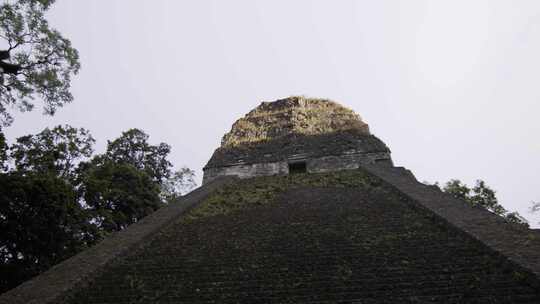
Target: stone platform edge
{"points": [[54, 285], [519, 245]]}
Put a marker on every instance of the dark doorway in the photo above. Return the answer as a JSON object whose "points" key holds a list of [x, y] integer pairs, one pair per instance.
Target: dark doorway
{"points": [[297, 167]]}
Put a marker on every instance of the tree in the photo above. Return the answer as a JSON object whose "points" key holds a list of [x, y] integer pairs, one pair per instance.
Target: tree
{"points": [[55, 201], [56, 151], [178, 184], [3, 151], [118, 194], [132, 148], [41, 224], [36, 61], [130, 180], [484, 196]]}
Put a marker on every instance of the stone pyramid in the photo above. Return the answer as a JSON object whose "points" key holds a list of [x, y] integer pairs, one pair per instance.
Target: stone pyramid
{"points": [[332, 233]]}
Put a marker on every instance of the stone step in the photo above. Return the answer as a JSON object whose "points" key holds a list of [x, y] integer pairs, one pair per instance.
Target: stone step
{"points": [[276, 254]]}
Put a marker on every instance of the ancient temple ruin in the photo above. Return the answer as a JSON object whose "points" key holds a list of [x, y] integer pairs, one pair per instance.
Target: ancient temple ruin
{"points": [[370, 234], [296, 134]]}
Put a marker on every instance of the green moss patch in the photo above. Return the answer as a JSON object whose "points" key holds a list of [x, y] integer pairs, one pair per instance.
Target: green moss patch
{"points": [[264, 190]]}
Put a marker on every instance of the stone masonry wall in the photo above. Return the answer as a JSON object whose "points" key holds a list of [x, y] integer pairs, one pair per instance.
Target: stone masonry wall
{"points": [[351, 239], [321, 164], [344, 162], [246, 170]]}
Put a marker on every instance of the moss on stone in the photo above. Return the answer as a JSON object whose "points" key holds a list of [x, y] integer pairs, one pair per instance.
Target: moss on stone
{"points": [[293, 115], [264, 190]]}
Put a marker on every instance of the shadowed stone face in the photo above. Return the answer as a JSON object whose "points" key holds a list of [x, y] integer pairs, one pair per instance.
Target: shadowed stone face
{"points": [[321, 134]]}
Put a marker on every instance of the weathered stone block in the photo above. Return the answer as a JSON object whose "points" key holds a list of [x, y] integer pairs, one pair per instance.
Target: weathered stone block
{"points": [[321, 133]]}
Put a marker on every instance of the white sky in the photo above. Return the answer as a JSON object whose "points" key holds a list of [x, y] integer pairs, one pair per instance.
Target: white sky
{"points": [[451, 86]]}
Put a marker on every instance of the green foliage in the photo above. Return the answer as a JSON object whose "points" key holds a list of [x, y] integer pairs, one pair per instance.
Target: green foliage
{"points": [[55, 151], [3, 151], [41, 224], [117, 194], [132, 148], [482, 195], [54, 201], [130, 180], [458, 190], [43, 60], [485, 196]]}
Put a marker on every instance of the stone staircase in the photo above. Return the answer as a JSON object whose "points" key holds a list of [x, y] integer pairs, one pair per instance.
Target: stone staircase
{"points": [[322, 245], [519, 245]]}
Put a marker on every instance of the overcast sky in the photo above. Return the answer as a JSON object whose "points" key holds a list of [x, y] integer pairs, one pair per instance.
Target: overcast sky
{"points": [[451, 86]]}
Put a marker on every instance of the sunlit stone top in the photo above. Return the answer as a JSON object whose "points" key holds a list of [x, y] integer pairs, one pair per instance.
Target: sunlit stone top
{"points": [[296, 134], [293, 115]]}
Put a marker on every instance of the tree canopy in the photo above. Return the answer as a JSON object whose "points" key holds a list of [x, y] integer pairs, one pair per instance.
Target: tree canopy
{"points": [[56, 151], [482, 195], [57, 198], [41, 224], [118, 194], [3, 151], [132, 148], [36, 61]]}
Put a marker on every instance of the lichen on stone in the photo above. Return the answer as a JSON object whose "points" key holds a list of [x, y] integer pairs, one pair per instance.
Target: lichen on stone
{"points": [[293, 115]]}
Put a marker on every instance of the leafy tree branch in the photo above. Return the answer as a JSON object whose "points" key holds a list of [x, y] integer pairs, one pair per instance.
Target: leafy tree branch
{"points": [[57, 198], [36, 61], [482, 195]]}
